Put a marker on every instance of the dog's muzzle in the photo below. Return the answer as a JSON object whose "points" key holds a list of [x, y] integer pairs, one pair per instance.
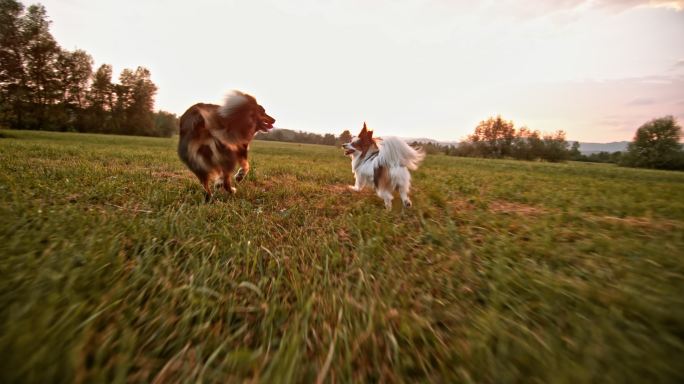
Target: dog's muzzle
{"points": [[348, 149]]}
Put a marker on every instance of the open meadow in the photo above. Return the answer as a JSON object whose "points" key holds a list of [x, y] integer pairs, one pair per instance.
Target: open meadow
{"points": [[114, 270]]}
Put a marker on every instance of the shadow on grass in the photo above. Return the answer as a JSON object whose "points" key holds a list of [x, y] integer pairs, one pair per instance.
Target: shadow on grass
{"points": [[4, 135]]}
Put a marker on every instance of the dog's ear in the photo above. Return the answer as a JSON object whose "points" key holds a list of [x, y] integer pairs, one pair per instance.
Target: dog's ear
{"points": [[365, 132]]}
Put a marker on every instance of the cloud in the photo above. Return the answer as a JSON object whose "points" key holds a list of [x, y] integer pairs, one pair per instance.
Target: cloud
{"points": [[561, 12], [621, 5], [627, 4], [535, 8], [641, 101], [677, 67], [597, 111], [674, 4]]}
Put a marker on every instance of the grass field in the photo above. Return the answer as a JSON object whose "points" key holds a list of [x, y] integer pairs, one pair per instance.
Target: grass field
{"points": [[113, 269]]}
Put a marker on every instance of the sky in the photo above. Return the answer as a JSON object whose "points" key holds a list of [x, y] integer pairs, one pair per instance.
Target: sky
{"points": [[596, 69]]}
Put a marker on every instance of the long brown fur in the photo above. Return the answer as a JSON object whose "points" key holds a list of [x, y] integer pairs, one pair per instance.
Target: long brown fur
{"points": [[215, 139]]}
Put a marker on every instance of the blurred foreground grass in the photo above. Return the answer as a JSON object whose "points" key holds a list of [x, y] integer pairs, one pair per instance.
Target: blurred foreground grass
{"points": [[113, 270]]}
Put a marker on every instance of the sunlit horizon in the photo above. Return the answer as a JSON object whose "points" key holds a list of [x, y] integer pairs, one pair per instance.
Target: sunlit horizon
{"points": [[594, 69]]}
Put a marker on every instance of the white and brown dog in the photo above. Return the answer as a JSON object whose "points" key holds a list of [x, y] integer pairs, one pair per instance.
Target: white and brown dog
{"points": [[384, 163], [215, 139]]}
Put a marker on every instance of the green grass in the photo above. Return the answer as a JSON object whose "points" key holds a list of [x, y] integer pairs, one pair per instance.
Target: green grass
{"points": [[113, 270]]}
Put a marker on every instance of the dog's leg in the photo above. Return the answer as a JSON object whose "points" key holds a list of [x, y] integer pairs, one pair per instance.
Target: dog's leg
{"points": [[207, 189], [218, 182], [244, 169], [403, 178], [244, 164], [358, 185], [403, 192], [387, 197], [227, 184]]}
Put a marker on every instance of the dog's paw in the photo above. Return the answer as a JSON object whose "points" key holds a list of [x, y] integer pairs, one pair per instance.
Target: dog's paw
{"points": [[353, 188], [232, 190], [408, 203]]}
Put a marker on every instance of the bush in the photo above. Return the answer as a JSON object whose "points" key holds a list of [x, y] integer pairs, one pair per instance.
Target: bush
{"points": [[656, 145]]}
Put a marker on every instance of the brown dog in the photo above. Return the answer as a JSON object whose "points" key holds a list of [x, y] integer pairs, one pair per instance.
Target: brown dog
{"points": [[214, 139]]}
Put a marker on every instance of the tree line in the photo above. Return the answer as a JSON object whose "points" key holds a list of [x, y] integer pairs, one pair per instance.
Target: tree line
{"points": [[291, 136], [656, 144], [497, 138], [45, 87]]}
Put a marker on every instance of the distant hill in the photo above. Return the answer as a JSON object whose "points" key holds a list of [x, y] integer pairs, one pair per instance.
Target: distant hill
{"points": [[290, 135], [585, 148], [589, 148], [426, 140]]}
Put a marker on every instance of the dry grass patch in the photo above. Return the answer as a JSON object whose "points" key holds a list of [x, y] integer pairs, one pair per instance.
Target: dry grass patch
{"points": [[500, 206]]}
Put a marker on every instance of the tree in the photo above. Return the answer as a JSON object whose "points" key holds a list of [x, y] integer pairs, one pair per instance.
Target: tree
{"points": [[555, 147], [465, 149], [575, 153], [328, 139], [165, 124], [493, 137], [100, 101], [527, 145], [345, 137], [40, 57], [101, 95], [12, 74], [76, 69], [134, 102], [656, 145]]}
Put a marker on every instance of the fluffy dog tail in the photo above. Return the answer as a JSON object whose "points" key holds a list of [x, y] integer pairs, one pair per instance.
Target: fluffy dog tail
{"points": [[394, 151]]}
